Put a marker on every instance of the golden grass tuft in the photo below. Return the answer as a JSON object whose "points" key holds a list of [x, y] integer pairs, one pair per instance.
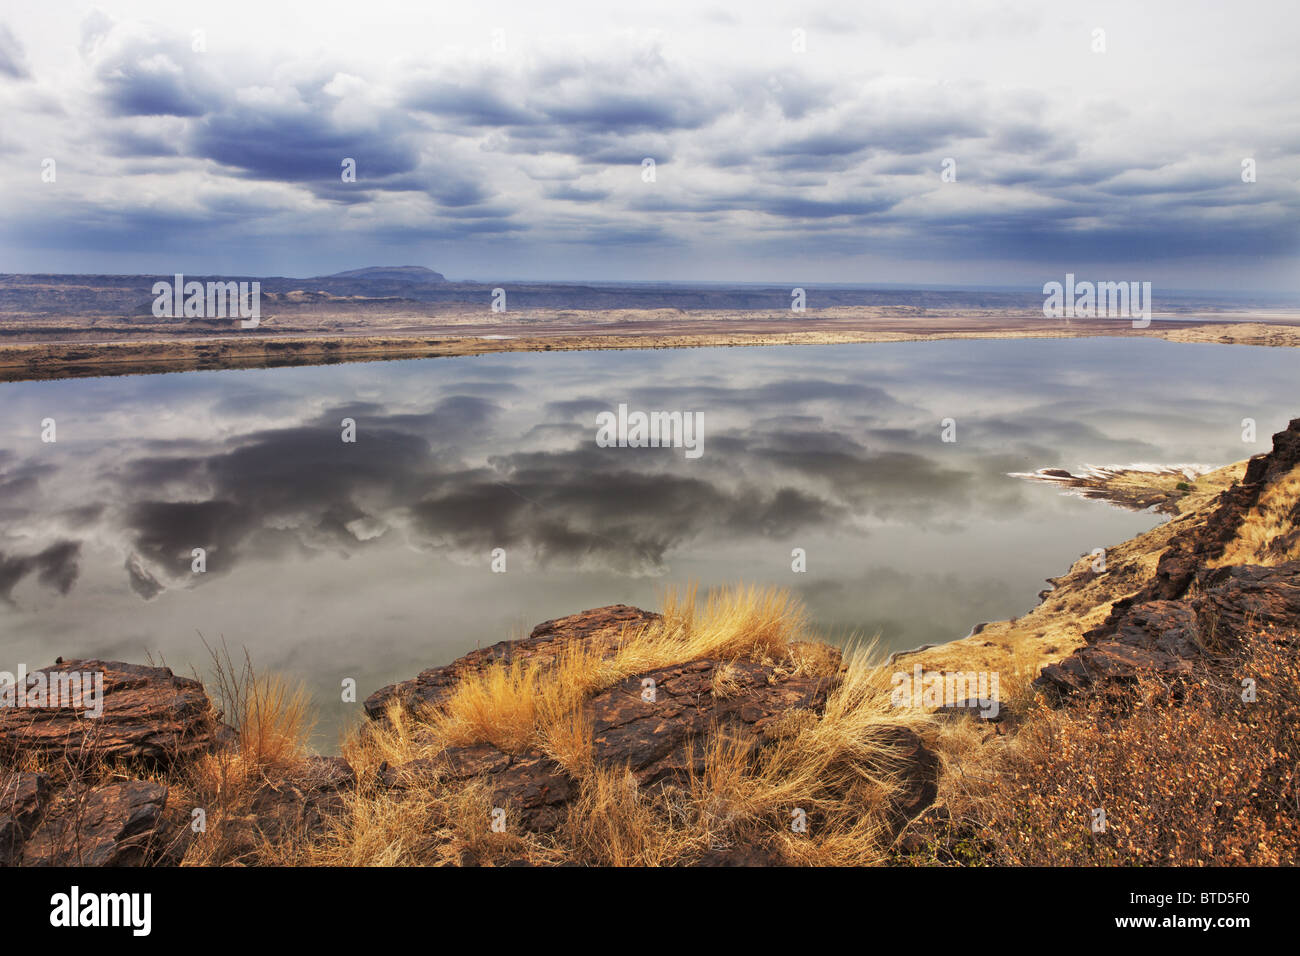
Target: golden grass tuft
{"points": [[1262, 526], [518, 706], [840, 768], [273, 721]]}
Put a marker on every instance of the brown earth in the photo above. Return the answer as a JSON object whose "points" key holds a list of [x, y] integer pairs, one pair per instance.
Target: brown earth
{"points": [[100, 791], [72, 349]]}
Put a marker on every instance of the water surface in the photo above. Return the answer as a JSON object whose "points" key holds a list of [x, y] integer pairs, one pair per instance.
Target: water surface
{"points": [[372, 560]]}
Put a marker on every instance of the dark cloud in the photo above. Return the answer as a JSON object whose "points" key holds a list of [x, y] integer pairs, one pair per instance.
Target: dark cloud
{"points": [[55, 567], [475, 103], [152, 76], [516, 157], [303, 143]]}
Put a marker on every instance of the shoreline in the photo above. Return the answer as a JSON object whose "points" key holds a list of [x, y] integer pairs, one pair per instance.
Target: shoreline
{"points": [[52, 360], [1080, 598], [553, 737]]}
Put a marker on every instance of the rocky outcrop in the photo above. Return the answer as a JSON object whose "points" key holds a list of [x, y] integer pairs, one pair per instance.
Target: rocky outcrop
{"points": [[657, 725], [659, 735], [601, 627], [150, 716], [1200, 543], [1190, 613], [118, 824], [1169, 638]]}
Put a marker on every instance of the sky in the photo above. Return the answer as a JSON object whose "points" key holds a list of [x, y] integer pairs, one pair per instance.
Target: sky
{"points": [[791, 142]]}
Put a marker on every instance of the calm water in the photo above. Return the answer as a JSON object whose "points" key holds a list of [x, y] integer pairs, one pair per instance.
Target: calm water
{"points": [[372, 560]]}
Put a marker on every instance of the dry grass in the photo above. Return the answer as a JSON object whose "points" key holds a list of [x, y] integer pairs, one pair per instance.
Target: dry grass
{"points": [[529, 705], [273, 722], [1188, 774], [840, 768], [1272, 519]]}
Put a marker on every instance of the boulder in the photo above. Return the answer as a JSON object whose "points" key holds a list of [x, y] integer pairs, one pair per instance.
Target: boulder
{"points": [[661, 738], [118, 824], [149, 716]]}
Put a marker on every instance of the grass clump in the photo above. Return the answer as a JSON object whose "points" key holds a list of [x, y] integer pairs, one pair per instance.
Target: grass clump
{"points": [[843, 769]]}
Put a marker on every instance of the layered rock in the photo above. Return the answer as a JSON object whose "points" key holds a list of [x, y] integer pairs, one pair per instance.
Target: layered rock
{"points": [[1190, 612], [658, 725], [150, 720], [150, 716], [117, 824]]}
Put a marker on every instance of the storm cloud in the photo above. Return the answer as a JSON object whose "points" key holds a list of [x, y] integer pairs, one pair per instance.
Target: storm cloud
{"points": [[809, 143]]}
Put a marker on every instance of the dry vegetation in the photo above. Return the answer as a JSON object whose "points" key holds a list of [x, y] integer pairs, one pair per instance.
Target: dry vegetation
{"points": [[1080, 599], [1270, 533], [272, 719], [1187, 774], [838, 766]]}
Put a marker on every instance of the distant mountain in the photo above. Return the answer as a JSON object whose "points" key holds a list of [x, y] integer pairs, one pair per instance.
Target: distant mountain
{"points": [[416, 288], [413, 274]]}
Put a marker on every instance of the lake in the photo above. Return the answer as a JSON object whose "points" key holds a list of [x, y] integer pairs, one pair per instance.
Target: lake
{"points": [[373, 559]]}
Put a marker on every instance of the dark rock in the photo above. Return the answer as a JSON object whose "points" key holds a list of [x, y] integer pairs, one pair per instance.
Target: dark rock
{"points": [[1168, 637], [150, 716], [112, 825], [657, 740], [23, 797], [917, 770], [534, 791]]}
